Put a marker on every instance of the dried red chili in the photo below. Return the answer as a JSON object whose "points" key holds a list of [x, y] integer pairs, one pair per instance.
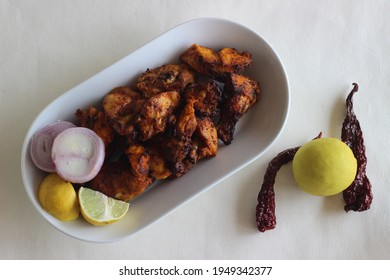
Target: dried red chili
{"points": [[358, 196], [265, 209]]}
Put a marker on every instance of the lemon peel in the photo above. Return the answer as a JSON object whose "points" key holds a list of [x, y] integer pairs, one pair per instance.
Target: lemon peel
{"points": [[324, 166], [58, 198]]}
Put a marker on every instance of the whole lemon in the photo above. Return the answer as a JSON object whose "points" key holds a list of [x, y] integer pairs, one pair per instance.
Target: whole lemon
{"points": [[59, 198], [324, 166]]}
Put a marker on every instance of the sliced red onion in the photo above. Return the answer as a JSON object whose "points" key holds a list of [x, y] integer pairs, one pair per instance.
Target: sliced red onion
{"points": [[41, 144], [78, 154]]}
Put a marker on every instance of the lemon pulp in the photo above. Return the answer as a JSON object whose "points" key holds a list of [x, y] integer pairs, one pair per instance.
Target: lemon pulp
{"points": [[99, 209]]}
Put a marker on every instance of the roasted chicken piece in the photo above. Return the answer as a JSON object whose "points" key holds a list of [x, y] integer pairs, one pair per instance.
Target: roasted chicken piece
{"points": [[216, 65], [139, 158], [170, 77], [122, 105], [186, 122], [116, 180], [206, 138], [207, 97], [240, 93], [203, 60], [234, 61], [155, 114], [179, 153], [159, 168], [148, 160], [97, 121]]}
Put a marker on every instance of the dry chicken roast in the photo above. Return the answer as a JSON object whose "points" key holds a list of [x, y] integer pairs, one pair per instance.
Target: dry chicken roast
{"points": [[172, 116], [170, 77], [216, 65]]}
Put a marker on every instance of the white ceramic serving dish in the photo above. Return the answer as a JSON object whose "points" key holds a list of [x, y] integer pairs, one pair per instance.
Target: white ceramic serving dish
{"points": [[255, 133]]}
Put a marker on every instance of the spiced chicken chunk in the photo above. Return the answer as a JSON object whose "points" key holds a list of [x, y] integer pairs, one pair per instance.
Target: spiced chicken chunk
{"points": [[186, 121], [207, 98], [139, 159], [116, 180], [171, 77], [234, 61], [206, 138], [122, 105], [216, 65], [203, 60], [156, 113], [240, 93], [98, 121]]}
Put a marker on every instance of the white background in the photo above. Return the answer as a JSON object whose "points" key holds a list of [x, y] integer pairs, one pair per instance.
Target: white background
{"points": [[48, 47]]}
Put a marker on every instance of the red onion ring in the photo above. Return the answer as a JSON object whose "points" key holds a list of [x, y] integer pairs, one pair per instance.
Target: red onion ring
{"points": [[78, 154], [41, 144]]}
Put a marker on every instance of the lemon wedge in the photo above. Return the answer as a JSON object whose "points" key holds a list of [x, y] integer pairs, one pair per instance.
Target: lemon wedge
{"points": [[99, 209]]}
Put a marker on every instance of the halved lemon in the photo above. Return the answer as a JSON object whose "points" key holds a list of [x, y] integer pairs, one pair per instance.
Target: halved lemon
{"points": [[99, 209]]}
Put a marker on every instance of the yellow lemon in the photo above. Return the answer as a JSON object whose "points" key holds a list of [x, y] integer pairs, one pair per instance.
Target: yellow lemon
{"points": [[99, 209], [324, 166], [59, 198]]}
